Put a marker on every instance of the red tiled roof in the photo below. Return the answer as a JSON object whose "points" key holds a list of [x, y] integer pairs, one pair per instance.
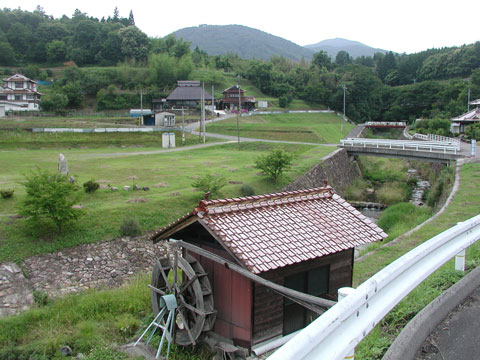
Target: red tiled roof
{"points": [[270, 231]]}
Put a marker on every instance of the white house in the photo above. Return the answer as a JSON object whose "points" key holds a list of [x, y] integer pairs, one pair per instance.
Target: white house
{"points": [[459, 123], [19, 93]]}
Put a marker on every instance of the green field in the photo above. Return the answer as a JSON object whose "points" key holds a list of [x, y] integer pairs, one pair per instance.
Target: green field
{"points": [[312, 128], [168, 175]]}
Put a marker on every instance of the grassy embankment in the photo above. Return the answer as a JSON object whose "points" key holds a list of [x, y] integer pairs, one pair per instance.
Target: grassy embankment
{"points": [[465, 205], [312, 128]]}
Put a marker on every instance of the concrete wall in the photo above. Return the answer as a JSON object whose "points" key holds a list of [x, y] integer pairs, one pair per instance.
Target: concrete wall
{"points": [[336, 168]]}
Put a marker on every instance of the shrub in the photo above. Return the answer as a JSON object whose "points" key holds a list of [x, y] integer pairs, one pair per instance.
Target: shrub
{"points": [[50, 196], [210, 183], [357, 191], [247, 190], [274, 164], [40, 298], [7, 193], [91, 186], [130, 227]]}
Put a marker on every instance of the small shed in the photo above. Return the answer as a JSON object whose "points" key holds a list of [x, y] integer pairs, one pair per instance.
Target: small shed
{"points": [[303, 240], [165, 119]]}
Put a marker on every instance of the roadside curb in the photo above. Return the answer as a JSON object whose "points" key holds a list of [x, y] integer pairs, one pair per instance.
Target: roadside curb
{"points": [[410, 340]]}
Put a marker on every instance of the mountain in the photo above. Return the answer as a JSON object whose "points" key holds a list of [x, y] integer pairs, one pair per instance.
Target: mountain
{"points": [[354, 48], [248, 43]]}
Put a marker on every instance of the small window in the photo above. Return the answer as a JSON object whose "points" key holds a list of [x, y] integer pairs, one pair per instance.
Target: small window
{"points": [[3, 97], [18, 97], [312, 282], [18, 85]]}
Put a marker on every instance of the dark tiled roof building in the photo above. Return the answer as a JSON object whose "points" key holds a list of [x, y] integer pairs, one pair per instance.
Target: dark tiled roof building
{"points": [[188, 94]]}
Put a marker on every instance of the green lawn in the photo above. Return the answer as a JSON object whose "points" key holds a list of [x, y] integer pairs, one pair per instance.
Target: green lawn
{"points": [[168, 175], [314, 128]]}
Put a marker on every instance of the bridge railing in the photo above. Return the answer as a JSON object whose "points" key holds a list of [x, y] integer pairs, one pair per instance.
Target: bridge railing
{"points": [[439, 138], [431, 146], [386, 123], [336, 333]]}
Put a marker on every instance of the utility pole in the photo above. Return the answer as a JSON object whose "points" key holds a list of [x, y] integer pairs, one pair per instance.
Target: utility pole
{"points": [[203, 111], [213, 103], [344, 118], [141, 107], [183, 128], [468, 99], [239, 106]]}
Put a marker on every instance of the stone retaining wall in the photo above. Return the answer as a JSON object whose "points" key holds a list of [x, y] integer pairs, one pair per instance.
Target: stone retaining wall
{"points": [[104, 264], [336, 168]]}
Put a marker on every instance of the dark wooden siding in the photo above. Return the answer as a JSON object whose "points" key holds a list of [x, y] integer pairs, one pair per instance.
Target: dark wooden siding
{"points": [[268, 305]]}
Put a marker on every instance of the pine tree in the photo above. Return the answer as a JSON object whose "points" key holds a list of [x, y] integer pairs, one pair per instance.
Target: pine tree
{"points": [[116, 15], [131, 20]]}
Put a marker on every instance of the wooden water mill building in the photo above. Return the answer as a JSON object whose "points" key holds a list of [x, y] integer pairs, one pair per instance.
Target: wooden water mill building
{"points": [[302, 240]]}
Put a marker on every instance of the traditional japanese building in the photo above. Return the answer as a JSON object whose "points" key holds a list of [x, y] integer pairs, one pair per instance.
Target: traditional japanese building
{"points": [[303, 240], [234, 96], [188, 94], [459, 123], [19, 93]]}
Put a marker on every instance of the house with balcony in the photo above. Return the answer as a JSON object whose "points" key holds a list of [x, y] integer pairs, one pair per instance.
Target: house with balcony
{"points": [[460, 123], [234, 97], [19, 93]]}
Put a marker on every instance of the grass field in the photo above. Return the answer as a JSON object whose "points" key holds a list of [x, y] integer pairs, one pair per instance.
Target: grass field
{"points": [[313, 128], [168, 175]]}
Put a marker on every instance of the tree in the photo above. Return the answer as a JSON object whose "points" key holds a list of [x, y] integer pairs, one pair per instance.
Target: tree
{"points": [[131, 19], [274, 164], [343, 58], [55, 102], [49, 196], [322, 59], [134, 44], [210, 184]]}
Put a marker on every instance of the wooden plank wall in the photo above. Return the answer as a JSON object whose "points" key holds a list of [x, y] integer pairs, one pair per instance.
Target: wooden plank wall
{"points": [[268, 305]]}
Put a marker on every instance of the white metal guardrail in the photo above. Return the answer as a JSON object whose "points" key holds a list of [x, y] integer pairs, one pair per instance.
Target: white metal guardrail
{"points": [[431, 146], [108, 130], [336, 333]]}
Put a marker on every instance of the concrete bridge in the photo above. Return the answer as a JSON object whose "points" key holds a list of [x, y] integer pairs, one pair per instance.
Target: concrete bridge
{"points": [[433, 151]]}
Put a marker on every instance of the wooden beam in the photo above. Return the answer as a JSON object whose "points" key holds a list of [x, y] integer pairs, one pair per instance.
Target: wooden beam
{"points": [[294, 295]]}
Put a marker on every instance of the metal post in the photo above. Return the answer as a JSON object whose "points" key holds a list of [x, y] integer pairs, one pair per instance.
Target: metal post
{"points": [[468, 100], [213, 102], [343, 292], [460, 261]]}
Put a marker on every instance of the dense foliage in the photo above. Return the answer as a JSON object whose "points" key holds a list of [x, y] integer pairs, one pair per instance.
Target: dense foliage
{"points": [[390, 87]]}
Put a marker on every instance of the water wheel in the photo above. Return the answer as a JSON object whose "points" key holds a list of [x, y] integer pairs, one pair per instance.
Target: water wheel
{"points": [[192, 289]]}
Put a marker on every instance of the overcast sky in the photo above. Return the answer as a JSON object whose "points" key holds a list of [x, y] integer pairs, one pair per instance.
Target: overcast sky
{"points": [[401, 26]]}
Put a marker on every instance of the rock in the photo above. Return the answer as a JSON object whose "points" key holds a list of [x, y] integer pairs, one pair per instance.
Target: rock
{"points": [[66, 351], [114, 188], [126, 188], [145, 188]]}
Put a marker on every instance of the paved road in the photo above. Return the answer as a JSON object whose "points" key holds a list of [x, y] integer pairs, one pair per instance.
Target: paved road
{"points": [[457, 337]]}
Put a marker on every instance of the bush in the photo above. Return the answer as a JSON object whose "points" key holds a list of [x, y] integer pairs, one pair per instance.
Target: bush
{"points": [[210, 183], [7, 193], [50, 196], [357, 191], [247, 190], [274, 164], [40, 298], [91, 186], [130, 227], [440, 186]]}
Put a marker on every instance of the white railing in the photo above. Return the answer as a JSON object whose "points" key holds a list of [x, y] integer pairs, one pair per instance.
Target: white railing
{"points": [[439, 138], [431, 146], [386, 123], [336, 333]]}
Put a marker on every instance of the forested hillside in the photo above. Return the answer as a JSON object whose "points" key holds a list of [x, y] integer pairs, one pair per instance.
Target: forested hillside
{"points": [[122, 60], [248, 43], [354, 48]]}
